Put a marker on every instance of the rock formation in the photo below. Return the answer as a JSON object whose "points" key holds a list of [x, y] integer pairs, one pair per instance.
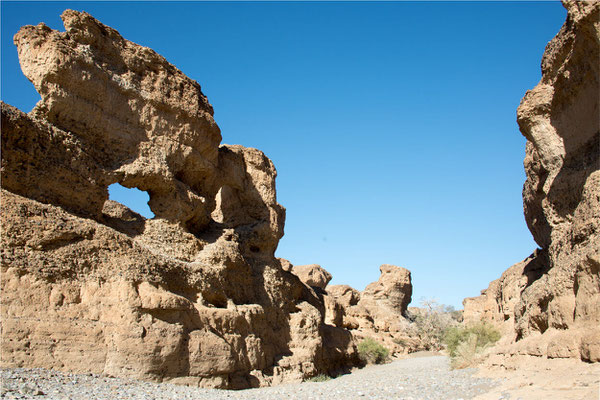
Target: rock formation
{"points": [[378, 312], [194, 295], [549, 304], [312, 275]]}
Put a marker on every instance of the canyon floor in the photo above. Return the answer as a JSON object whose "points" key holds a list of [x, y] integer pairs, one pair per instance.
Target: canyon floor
{"points": [[421, 376], [541, 378], [412, 378]]}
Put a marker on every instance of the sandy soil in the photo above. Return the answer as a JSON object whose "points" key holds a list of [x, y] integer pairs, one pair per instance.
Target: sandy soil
{"points": [[532, 378]]}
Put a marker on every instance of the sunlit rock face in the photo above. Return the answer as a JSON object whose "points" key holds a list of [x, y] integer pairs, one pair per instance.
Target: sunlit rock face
{"points": [[549, 304], [312, 275], [378, 312], [194, 295]]}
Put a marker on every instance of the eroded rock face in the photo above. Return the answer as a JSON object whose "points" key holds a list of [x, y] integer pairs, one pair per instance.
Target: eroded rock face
{"points": [[498, 302], [194, 295], [312, 275], [393, 290], [379, 312], [143, 122], [551, 301]]}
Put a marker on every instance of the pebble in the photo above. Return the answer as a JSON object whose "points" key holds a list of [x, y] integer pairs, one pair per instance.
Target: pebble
{"points": [[426, 378]]}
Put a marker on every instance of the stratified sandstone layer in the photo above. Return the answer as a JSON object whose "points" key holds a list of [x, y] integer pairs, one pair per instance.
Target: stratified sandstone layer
{"points": [[194, 295], [549, 304]]}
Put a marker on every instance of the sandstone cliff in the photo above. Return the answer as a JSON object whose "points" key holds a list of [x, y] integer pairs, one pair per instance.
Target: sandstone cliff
{"points": [[194, 295], [549, 304]]}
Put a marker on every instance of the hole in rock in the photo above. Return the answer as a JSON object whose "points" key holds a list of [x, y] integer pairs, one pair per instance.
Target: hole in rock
{"points": [[134, 198], [217, 300]]}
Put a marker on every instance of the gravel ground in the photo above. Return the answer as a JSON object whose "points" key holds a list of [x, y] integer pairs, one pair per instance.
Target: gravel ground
{"points": [[412, 378]]}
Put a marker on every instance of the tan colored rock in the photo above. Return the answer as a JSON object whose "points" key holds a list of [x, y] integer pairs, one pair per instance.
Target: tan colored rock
{"points": [[551, 301], [497, 303], [393, 290], [285, 264], [210, 354], [312, 275], [344, 294], [378, 312], [194, 295], [117, 98]]}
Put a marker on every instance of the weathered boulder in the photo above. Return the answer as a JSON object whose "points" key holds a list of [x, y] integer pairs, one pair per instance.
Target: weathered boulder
{"points": [[379, 312], [194, 295], [312, 274], [393, 289], [551, 301], [344, 294], [286, 265]]}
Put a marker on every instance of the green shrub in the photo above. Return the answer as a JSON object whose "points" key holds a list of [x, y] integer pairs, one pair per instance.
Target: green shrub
{"points": [[466, 343], [372, 352], [319, 378]]}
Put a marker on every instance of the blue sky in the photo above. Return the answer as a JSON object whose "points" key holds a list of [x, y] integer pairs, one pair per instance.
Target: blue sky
{"points": [[391, 124]]}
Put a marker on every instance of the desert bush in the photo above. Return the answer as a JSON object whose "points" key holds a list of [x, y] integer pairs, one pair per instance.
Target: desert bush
{"points": [[465, 344], [466, 353], [319, 378], [372, 352], [430, 323]]}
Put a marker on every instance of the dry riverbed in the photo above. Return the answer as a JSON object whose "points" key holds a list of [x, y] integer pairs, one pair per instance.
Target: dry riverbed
{"points": [[411, 378]]}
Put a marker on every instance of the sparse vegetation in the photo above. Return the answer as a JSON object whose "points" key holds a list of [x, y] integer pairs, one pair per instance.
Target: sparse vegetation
{"points": [[319, 378], [438, 326], [372, 352], [465, 344], [430, 323]]}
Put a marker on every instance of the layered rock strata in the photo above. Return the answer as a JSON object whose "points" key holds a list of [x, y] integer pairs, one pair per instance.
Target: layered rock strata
{"points": [[194, 295], [549, 304]]}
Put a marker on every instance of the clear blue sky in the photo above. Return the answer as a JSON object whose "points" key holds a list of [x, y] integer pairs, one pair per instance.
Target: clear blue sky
{"points": [[392, 125]]}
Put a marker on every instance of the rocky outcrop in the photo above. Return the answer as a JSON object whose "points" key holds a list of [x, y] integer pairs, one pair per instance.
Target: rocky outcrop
{"points": [[194, 295], [549, 304], [312, 275], [497, 303], [379, 312], [393, 290]]}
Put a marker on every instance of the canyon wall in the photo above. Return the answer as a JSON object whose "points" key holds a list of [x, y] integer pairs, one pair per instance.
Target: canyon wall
{"points": [[193, 295], [549, 304]]}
